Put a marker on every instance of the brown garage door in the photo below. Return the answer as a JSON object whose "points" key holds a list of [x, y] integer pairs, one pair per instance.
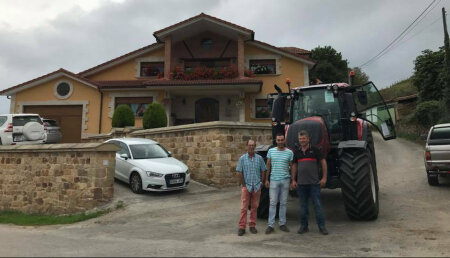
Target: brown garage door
{"points": [[67, 117]]}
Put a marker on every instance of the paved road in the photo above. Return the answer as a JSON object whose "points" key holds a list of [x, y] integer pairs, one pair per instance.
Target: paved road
{"points": [[414, 220]]}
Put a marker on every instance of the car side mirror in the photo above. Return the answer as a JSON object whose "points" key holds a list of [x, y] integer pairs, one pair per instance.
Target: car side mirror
{"points": [[124, 156], [170, 153], [362, 97], [423, 137]]}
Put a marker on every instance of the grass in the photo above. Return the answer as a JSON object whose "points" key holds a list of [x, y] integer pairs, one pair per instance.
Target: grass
{"points": [[399, 89], [410, 137], [23, 219]]}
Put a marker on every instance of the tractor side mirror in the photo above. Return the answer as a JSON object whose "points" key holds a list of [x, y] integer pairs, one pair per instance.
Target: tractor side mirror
{"points": [[348, 105], [278, 108], [362, 97]]}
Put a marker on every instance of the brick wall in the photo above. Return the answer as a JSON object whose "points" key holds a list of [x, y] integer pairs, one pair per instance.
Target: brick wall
{"points": [[210, 150], [57, 178]]}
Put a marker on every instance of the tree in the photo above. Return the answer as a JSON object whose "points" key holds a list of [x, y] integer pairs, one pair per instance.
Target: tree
{"points": [[123, 116], [429, 74], [330, 66], [360, 76], [155, 116]]}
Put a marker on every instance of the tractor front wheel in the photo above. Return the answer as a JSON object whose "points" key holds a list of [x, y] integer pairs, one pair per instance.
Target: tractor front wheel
{"points": [[359, 183]]}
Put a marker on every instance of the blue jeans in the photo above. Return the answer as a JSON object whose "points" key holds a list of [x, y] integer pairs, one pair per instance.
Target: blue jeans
{"points": [[278, 191], [310, 191]]}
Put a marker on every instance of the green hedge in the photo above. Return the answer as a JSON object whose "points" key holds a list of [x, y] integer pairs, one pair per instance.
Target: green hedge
{"points": [[123, 116], [428, 113], [155, 116]]}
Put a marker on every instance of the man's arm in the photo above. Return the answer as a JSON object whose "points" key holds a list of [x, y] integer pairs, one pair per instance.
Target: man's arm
{"points": [[293, 173], [241, 178], [323, 181], [267, 173]]}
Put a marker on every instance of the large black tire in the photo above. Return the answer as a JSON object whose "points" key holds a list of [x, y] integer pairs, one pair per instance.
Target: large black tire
{"points": [[371, 146], [264, 204], [359, 184], [433, 180]]}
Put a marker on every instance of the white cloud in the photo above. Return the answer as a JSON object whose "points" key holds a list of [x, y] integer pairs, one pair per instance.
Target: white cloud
{"points": [[38, 37]]}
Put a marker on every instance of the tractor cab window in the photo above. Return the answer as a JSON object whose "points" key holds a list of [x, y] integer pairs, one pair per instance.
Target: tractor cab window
{"points": [[373, 109], [318, 102]]}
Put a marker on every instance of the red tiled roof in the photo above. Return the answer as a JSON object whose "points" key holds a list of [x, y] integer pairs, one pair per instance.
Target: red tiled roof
{"points": [[201, 15], [290, 51], [118, 58], [163, 82], [297, 51], [48, 75]]}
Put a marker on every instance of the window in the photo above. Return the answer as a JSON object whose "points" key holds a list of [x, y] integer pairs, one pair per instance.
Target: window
{"points": [[262, 109], [63, 89], [22, 120], [137, 104], [124, 149], [266, 66], [440, 133], [149, 69], [206, 43]]}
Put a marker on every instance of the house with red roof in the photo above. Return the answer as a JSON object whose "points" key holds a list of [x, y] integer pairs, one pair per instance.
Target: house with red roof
{"points": [[201, 69]]}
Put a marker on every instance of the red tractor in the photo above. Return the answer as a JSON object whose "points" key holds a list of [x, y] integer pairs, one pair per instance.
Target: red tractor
{"points": [[339, 119]]}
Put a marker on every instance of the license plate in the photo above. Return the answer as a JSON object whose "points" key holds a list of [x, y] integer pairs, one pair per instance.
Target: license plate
{"points": [[176, 181], [18, 138]]}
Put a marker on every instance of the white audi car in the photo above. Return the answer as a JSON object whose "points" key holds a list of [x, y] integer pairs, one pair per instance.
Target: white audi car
{"points": [[146, 166]]}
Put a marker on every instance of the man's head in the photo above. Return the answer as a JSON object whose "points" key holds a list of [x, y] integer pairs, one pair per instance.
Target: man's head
{"points": [[251, 146], [303, 138], [280, 140]]}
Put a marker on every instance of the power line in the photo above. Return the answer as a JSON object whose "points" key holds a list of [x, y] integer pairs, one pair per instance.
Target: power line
{"points": [[400, 42], [397, 38]]}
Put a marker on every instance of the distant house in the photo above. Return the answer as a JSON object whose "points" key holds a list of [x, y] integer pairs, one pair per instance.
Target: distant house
{"points": [[200, 69]]}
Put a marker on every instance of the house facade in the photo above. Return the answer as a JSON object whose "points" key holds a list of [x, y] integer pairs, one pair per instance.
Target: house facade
{"points": [[201, 69]]}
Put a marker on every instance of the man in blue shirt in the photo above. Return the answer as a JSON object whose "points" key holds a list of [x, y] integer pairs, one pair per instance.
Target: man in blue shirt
{"points": [[251, 169], [279, 159]]}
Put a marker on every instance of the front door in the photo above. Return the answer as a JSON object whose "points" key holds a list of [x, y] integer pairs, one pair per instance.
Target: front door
{"points": [[206, 110]]}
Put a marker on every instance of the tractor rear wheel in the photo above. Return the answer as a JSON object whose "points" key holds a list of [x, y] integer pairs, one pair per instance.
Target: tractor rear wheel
{"points": [[264, 204], [359, 184]]}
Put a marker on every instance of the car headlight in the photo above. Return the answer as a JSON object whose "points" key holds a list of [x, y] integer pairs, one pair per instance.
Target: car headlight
{"points": [[187, 172], [154, 174]]}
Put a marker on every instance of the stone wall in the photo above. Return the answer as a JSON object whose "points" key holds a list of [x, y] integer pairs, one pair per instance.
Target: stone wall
{"points": [[57, 178], [210, 150]]}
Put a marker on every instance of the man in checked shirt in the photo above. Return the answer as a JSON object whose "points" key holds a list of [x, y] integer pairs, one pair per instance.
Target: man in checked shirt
{"points": [[251, 169]]}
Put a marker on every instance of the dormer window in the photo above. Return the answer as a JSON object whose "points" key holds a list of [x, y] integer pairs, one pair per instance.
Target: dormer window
{"points": [[206, 43], [152, 69]]}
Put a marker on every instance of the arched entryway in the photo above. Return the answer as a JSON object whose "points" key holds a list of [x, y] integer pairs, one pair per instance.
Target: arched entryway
{"points": [[206, 110]]}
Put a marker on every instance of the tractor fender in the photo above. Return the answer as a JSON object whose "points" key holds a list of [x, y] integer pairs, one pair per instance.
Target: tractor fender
{"points": [[352, 144]]}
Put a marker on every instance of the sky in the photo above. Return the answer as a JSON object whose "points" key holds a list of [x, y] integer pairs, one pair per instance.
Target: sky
{"points": [[40, 36]]}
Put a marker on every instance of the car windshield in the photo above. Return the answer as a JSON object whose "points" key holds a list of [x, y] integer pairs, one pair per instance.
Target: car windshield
{"points": [[148, 151], [440, 133], [50, 123]]}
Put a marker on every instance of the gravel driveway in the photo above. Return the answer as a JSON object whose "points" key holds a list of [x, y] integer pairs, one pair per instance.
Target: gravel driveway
{"points": [[414, 220]]}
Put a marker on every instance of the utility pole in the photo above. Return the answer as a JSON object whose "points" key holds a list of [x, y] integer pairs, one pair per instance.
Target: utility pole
{"points": [[446, 91]]}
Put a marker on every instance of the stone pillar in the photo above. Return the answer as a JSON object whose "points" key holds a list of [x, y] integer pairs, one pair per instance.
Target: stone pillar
{"points": [[167, 57], [240, 57]]}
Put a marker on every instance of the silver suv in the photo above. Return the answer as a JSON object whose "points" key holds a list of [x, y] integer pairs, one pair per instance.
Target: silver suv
{"points": [[21, 129], [437, 153]]}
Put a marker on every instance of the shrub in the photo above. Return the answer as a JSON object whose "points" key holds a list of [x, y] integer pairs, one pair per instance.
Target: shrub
{"points": [[428, 113], [155, 116], [123, 116]]}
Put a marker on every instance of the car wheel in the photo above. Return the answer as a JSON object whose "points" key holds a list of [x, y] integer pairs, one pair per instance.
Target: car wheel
{"points": [[136, 183]]}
